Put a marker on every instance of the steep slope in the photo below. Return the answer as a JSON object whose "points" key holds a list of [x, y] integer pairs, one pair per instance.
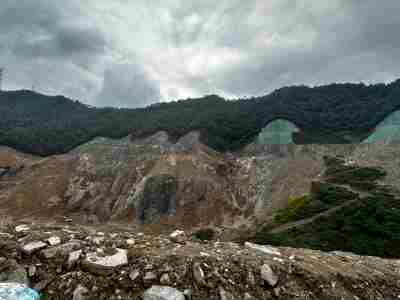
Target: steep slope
{"points": [[31, 185], [156, 180]]}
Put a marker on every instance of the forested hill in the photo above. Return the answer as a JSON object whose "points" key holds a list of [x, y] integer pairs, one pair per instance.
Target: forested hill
{"points": [[45, 125]]}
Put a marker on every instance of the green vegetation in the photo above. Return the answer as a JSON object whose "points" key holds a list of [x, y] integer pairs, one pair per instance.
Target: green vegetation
{"points": [[330, 195], [205, 234], [370, 227], [45, 125], [361, 178], [324, 196], [298, 208]]}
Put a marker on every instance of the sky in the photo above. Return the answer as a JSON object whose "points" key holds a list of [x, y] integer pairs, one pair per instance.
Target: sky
{"points": [[133, 53]]}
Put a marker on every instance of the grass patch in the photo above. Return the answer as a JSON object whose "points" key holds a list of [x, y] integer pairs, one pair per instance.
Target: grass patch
{"points": [[369, 227], [298, 208]]}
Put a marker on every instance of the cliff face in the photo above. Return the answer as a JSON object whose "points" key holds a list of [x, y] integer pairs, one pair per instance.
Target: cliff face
{"points": [[154, 180], [157, 181]]}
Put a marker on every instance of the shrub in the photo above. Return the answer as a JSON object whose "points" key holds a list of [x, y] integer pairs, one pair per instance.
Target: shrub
{"points": [[296, 209], [205, 234]]}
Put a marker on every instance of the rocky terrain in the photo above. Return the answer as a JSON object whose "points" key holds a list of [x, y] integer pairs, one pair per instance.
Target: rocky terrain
{"points": [[184, 183], [152, 180], [96, 223], [68, 261]]}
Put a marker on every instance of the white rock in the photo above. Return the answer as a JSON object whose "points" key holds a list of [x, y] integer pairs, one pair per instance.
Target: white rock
{"points": [[265, 249], [268, 275], [134, 275], [33, 247], [62, 250], [22, 228], [150, 276], [188, 294], [6, 235], [247, 296], [54, 241], [178, 236], [98, 240], [100, 264], [165, 279], [163, 293], [198, 274], [130, 242], [73, 258], [79, 293], [31, 271], [224, 295]]}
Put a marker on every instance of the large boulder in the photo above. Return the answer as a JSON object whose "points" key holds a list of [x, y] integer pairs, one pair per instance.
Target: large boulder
{"points": [[103, 264], [163, 293]]}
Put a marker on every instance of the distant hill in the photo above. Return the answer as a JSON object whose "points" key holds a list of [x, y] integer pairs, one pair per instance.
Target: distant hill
{"points": [[337, 113]]}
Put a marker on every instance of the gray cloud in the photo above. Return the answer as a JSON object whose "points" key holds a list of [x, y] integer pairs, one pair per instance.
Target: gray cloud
{"points": [[126, 84], [134, 53]]}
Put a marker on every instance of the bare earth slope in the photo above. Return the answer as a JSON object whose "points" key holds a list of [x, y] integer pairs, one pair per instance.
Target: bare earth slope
{"points": [[183, 183]]}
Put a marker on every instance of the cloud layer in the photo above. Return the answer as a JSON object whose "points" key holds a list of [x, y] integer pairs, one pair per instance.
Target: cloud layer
{"points": [[130, 54]]}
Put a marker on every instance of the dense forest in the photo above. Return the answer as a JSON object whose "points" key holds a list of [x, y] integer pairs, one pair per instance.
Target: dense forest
{"points": [[46, 125]]}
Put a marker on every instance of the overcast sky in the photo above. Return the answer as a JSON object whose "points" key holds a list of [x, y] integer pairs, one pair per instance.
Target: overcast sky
{"points": [[133, 53]]}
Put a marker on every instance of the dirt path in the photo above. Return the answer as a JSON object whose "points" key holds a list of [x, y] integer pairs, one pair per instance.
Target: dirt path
{"points": [[302, 222]]}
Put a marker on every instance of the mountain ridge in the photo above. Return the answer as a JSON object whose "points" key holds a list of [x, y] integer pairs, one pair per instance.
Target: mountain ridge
{"points": [[336, 114]]}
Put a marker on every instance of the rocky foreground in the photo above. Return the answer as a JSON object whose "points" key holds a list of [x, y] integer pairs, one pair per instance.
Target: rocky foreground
{"points": [[69, 261]]}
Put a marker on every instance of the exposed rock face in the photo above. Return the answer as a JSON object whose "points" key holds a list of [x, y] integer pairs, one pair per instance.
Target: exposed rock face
{"points": [[158, 198], [185, 183], [212, 270]]}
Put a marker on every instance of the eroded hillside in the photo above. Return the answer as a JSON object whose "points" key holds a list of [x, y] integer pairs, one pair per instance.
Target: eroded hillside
{"points": [[156, 180]]}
